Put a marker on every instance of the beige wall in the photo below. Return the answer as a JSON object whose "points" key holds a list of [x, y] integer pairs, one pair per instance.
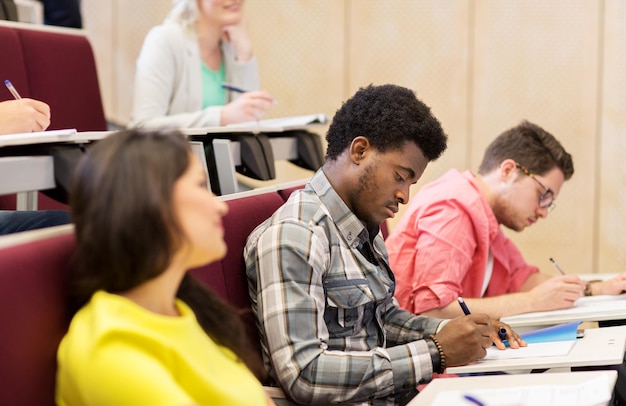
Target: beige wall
{"points": [[482, 66]]}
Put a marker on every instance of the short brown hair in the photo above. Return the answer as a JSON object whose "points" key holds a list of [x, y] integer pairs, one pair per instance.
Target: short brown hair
{"points": [[532, 147]]}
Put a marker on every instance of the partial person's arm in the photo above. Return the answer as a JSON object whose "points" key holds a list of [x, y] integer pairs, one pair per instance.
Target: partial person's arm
{"points": [[613, 286], [548, 293], [237, 36], [23, 116]]}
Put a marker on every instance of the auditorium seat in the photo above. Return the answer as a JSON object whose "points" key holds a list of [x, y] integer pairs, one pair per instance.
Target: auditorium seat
{"points": [[57, 66]]}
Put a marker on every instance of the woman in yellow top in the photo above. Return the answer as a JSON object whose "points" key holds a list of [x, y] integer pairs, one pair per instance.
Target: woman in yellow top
{"points": [[146, 334]]}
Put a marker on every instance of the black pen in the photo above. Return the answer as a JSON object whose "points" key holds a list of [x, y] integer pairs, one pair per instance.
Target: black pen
{"points": [[233, 88], [236, 89], [464, 307], [558, 268]]}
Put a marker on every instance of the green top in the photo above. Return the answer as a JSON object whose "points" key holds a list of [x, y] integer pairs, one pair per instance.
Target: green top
{"points": [[213, 92]]}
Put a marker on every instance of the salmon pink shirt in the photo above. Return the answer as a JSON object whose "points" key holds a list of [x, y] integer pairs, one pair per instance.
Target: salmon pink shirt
{"points": [[440, 248]]}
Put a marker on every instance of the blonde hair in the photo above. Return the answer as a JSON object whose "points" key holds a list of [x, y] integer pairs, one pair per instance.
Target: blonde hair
{"points": [[185, 13]]}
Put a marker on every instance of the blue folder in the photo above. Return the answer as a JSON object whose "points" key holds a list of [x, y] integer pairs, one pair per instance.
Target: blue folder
{"points": [[560, 332]]}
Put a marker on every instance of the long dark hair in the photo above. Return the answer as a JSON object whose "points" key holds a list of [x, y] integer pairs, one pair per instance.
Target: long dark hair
{"points": [[127, 233]]}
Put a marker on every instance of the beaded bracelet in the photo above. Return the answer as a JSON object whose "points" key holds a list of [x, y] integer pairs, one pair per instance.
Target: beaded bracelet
{"points": [[442, 356]]}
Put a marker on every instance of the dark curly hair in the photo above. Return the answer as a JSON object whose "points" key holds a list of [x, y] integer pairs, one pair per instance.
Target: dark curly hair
{"points": [[388, 116], [530, 146]]}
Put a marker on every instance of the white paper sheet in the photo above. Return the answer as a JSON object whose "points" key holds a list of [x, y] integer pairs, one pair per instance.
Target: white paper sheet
{"points": [[551, 349], [593, 392]]}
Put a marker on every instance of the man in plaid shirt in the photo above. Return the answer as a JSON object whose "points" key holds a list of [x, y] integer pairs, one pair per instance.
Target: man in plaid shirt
{"points": [[318, 273]]}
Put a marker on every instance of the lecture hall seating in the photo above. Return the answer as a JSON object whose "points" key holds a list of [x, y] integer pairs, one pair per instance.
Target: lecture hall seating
{"points": [[55, 65], [33, 277]]}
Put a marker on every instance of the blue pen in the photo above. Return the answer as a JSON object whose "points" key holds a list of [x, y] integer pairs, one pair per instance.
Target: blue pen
{"points": [[12, 89], [464, 307], [473, 400]]}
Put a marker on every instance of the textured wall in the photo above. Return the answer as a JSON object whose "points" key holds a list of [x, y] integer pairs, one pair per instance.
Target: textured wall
{"points": [[482, 66]]}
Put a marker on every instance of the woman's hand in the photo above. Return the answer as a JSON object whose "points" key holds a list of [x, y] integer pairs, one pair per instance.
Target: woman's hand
{"points": [[237, 35], [250, 106]]}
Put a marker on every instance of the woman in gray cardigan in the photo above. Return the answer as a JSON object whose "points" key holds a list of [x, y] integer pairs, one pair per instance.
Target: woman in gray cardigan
{"points": [[184, 61]]}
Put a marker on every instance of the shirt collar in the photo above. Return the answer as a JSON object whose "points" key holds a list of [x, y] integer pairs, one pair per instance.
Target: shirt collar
{"points": [[348, 225], [494, 226]]}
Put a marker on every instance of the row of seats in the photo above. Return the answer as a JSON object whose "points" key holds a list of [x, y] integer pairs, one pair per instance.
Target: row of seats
{"points": [[33, 278]]}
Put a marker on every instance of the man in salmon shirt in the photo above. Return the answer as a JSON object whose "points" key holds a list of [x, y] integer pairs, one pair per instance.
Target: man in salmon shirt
{"points": [[450, 243]]}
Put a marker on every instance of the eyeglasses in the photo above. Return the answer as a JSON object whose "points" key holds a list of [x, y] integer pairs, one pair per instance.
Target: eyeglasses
{"points": [[546, 199]]}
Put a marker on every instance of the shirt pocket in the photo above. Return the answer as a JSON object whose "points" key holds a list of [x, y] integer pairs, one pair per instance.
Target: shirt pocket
{"points": [[348, 303]]}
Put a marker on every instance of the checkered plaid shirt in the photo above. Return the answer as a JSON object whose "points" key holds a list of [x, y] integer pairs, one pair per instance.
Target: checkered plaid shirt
{"points": [[331, 329]]}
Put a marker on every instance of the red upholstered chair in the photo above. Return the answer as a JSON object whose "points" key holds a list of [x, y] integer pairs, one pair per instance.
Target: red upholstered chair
{"points": [[228, 276], [57, 66], [12, 63], [285, 193], [32, 313], [61, 71], [34, 267]]}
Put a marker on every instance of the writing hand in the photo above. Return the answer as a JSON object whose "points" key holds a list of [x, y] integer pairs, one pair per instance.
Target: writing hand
{"points": [[250, 106]]}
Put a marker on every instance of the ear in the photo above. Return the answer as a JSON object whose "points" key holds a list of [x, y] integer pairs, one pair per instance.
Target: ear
{"points": [[358, 149], [508, 169]]}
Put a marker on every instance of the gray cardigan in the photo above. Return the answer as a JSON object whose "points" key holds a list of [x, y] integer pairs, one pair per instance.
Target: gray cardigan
{"points": [[168, 80]]}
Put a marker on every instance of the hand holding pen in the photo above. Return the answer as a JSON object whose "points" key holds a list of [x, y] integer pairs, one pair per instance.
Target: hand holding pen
{"points": [[12, 89], [23, 115], [499, 329], [250, 106]]}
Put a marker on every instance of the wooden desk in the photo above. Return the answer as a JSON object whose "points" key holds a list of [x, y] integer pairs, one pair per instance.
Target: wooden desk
{"points": [[599, 346], [429, 394]]}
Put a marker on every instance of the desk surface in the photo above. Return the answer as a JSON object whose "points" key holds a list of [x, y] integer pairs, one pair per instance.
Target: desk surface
{"points": [[276, 125], [52, 137], [428, 395], [599, 346]]}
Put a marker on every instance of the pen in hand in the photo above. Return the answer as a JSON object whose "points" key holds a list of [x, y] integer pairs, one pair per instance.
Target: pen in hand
{"points": [[558, 268], [502, 333], [464, 307], [233, 88], [12, 89], [237, 89]]}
